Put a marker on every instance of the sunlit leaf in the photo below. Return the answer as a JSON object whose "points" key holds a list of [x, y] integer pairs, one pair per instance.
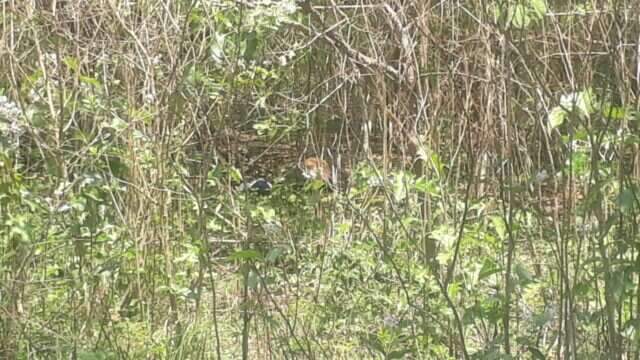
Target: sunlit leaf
{"points": [[614, 112], [454, 289], [583, 102], [499, 226], [235, 174], [426, 186], [539, 7], [489, 267], [586, 102], [246, 255], [557, 117], [437, 164], [71, 62], [518, 16], [90, 81]]}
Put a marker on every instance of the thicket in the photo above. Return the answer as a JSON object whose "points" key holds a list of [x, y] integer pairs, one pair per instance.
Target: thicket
{"points": [[485, 156]]}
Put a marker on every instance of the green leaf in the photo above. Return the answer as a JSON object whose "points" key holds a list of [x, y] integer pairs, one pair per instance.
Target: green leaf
{"points": [[251, 45], [437, 164], [426, 186], [246, 255], [583, 102], [454, 289], [315, 185], [524, 276], [71, 62], [539, 8], [399, 187], [614, 112], [90, 81], [518, 16], [557, 117], [445, 235], [274, 254], [253, 280], [489, 267], [235, 174], [625, 200], [499, 226], [586, 102], [20, 228]]}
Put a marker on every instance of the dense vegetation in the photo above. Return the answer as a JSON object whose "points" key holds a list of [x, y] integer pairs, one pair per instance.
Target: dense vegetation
{"points": [[481, 202]]}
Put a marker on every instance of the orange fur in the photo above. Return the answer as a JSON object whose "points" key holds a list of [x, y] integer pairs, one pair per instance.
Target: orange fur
{"points": [[315, 168]]}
